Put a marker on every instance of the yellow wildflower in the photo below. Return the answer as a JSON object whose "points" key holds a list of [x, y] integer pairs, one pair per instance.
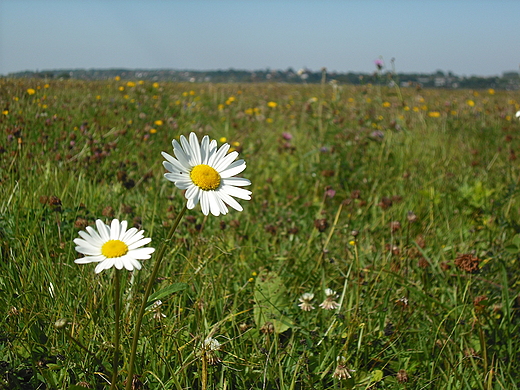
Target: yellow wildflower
{"points": [[130, 84], [31, 91], [387, 104], [272, 104], [434, 114], [470, 103], [155, 85], [158, 122]]}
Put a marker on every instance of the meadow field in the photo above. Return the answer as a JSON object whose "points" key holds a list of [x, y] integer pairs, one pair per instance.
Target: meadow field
{"points": [[379, 249]]}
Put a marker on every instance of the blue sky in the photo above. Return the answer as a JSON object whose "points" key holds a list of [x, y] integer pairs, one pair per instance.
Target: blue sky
{"points": [[465, 37]]}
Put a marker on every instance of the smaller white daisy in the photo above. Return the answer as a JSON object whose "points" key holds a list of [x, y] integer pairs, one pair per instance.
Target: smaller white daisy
{"points": [[206, 173], [112, 246], [517, 114]]}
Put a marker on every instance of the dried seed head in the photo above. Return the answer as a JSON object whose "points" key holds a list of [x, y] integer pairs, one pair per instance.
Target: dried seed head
{"points": [[395, 226], [268, 327], [108, 212], [402, 376], [321, 224], [467, 262], [411, 217]]}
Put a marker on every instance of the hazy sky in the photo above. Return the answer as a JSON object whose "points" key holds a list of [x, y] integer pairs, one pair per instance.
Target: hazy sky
{"points": [[466, 37]]}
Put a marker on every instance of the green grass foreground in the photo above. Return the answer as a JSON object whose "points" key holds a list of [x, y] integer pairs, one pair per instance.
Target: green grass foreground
{"points": [[404, 202]]}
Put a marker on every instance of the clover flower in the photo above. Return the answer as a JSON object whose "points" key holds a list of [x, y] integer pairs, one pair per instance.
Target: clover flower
{"points": [[330, 300], [305, 300], [206, 173], [112, 246], [342, 372], [209, 347]]}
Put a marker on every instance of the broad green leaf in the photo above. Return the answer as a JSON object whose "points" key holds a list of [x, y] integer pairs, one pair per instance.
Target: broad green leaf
{"points": [[511, 248], [377, 375], [271, 301]]}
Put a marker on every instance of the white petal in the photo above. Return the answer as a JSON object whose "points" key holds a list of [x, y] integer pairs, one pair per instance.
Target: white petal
{"points": [[237, 192], [213, 145], [234, 169], [188, 150], [191, 192], [108, 263], [141, 253], [87, 249], [204, 202], [122, 232], [118, 263], [182, 156], [225, 162], [136, 264], [190, 204], [177, 177], [204, 150], [235, 181], [103, 230], [177, 166], [114, 229], [139, 243], [213, 203], [219, 155], [229, 200], [222, 206], [94, 234], [195, 147], [129, 234], [90, 259]]}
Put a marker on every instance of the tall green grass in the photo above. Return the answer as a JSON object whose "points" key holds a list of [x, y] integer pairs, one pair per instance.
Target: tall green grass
{"points": [[409, 317]]}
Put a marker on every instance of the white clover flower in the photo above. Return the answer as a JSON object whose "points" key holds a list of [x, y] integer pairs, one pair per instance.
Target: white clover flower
{"points": [[206, 173], [209, 347], [112, 246], [330, 300], [517, 114], [305, 300], [342, 372]]}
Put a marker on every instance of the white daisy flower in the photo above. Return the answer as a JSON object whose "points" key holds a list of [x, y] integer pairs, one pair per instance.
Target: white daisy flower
{"points": [[112, 246], [206, 173]]}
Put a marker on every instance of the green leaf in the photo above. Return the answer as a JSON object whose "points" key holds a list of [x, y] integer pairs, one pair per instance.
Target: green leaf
{"points": [[516, 240], [168, 290], [271, 302], [512, 248], [377, 375]]}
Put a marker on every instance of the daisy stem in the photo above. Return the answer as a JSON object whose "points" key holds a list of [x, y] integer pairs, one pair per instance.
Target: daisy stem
{"points": [[117, 299], [151, 280]]}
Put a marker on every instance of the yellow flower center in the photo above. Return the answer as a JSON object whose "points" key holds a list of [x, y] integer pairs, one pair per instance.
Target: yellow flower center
{"points": [[205, 177], [114, 248]]}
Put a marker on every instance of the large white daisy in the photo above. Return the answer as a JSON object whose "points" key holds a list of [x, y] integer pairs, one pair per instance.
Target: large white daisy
{"points": [[112, 246], [206, 173]]}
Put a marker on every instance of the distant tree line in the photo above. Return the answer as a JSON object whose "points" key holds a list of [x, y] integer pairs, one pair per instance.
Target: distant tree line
{"points": [[439, 79]]}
